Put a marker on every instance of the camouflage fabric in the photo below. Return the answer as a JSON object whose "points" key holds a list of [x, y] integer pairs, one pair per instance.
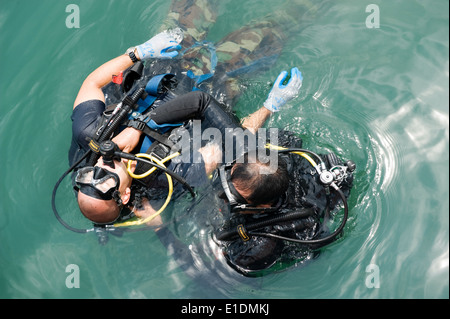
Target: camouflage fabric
{"points": [[194, 17], [239, 48], [249, 44], [253, 47]]}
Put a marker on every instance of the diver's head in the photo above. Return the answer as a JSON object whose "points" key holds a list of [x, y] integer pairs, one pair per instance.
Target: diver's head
{"points": [[103, 191], [253, 186]]}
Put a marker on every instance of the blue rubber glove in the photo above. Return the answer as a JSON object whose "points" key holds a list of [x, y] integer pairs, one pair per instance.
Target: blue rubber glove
{"points": [[160, 44], [280, 93]]}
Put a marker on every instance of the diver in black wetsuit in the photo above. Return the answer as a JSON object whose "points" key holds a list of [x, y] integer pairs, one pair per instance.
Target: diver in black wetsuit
{"points": [[287, 222], [269, 220]]}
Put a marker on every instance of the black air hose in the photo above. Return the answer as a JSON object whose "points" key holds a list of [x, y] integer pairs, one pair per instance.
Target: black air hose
{"points": [[231, 234]]}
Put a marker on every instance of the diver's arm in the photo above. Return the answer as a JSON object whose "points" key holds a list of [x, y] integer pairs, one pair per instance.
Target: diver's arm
{"points": [[128, 139], [146, 210], [256, 120], [91, 89], [279, 95], [212, 157], [162, 45]]}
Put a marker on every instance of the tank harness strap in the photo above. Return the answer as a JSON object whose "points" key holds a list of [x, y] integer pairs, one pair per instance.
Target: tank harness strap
{"points": [[138, 120], [154, 88], [155, 135]]}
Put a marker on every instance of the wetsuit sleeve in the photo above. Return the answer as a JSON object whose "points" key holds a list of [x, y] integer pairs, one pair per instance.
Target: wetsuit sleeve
{"points": [[193, 173], [84, 120]]}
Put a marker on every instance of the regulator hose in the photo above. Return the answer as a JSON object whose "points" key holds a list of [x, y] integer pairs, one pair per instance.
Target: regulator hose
{"points": [[319, 241], [55, 189], [231, 234], [180, 179]]}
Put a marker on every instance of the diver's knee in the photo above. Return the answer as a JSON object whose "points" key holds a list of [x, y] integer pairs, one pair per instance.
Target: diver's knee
{"points": [[200, 99], [203, 98]]}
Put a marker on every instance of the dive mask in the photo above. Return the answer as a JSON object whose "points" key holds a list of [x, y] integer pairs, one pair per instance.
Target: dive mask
{"points": [[230, 192], [99, 183], [236, 201]]}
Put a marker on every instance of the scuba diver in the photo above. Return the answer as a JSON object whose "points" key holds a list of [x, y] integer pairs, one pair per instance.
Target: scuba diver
{"points": [[267, 219]]}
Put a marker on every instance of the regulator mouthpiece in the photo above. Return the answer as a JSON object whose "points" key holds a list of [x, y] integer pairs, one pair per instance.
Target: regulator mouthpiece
{"points": [[108, 151]]}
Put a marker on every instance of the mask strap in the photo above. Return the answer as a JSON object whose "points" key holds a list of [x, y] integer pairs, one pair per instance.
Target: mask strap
{"points": [[226, 186]]}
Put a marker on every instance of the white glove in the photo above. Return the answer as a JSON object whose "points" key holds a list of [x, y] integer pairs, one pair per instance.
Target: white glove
{"points": [[160, 44], [280, 94]]}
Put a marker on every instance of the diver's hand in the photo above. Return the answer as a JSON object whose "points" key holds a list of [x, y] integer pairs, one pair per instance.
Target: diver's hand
{"points": [[280, 93], [147, 211], [212, 156], [162, 45]]}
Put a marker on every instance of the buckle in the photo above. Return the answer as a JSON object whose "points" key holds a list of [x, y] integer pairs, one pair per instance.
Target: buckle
{"points": [[139, 125]]}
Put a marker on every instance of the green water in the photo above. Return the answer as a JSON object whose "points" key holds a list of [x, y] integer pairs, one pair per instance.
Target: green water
{"points": [[378, 96]]}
